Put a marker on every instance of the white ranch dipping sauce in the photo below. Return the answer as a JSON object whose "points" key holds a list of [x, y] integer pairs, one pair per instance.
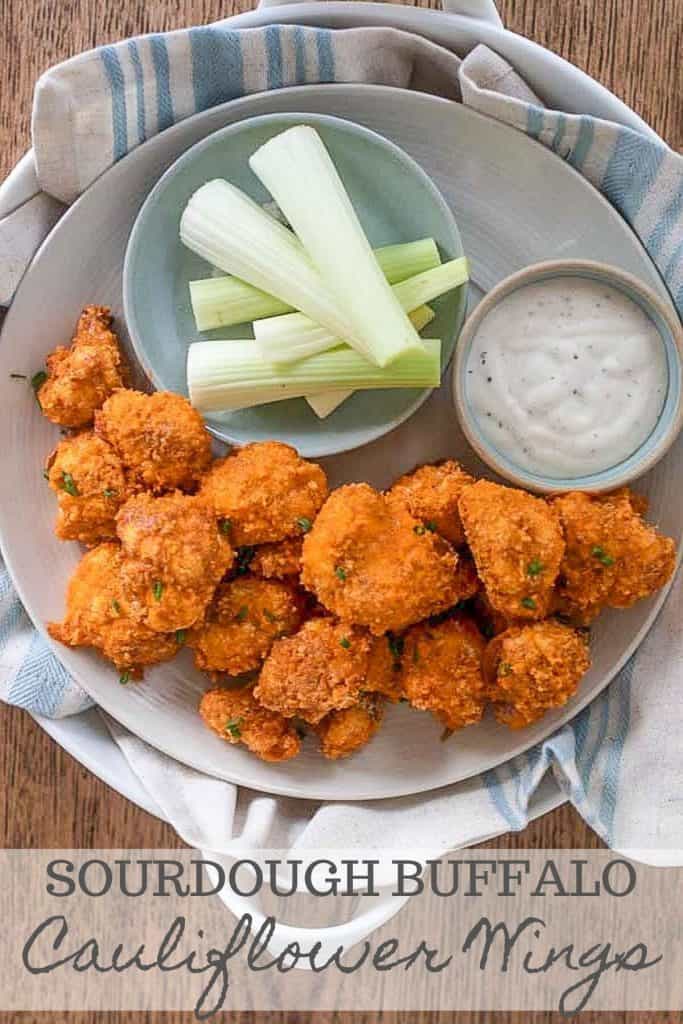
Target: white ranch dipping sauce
{"points": [[566, 377]]}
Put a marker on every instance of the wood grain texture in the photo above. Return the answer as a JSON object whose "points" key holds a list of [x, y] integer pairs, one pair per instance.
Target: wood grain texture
{"points": [[48, 799]]}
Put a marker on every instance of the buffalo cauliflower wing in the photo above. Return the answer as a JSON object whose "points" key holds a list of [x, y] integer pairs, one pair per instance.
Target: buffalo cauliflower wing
{"points": [[237, 717], [278, 561], [431, 494], [342, 733]]}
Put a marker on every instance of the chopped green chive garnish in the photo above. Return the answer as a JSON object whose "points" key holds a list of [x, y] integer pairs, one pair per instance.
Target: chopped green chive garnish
{"points": [[304, 524], [124, 678], [535, 567], [419, 530], [18, 376], [233, 727], [242, 613], [109, 492], [528, 602], [243, 560], [116, 606], [602, 556], [431, 526], [225, 525], [416, 655], [157, 590], [180, 636], [505, 668], [340, 573], [37, 380], [345, 642], [69, 485], [267, 614]]}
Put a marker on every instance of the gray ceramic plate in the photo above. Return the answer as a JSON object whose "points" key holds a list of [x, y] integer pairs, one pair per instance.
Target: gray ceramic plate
{"points": [[395, 202], [504, 192]]}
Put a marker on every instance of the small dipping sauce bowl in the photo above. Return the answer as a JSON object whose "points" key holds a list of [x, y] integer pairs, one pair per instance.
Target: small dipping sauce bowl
{"points": [[565, 389]]}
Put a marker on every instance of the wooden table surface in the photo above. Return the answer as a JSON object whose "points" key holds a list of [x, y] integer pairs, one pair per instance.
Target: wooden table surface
{"points": [[48, 800]]}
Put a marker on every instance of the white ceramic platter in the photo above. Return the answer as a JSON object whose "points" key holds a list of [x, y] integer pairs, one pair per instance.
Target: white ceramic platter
{"points": [[515, 203]]}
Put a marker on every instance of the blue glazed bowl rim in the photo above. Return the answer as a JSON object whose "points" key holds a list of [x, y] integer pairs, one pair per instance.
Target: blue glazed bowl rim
{"points": [[670, 420]]}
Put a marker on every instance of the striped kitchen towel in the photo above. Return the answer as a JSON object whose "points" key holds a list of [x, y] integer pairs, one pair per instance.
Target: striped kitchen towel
{"points": [[91, 111]]}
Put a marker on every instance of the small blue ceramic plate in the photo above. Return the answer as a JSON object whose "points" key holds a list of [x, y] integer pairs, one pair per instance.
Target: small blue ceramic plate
{"points": [[668, 425], [395, 202]]}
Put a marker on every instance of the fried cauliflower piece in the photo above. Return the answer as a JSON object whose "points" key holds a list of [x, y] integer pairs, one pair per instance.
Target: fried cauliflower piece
{"points": [[321, 668], [244, 619], [442, 671], [265, 492], [431, 494], [278, 561], [81, 377], [236, 716], [159, 438], [370, 562], [533, 668], [87, 476], [175, 557], [100, 614], [517, 545], [342, 733], [613, 558], [384, 667]]}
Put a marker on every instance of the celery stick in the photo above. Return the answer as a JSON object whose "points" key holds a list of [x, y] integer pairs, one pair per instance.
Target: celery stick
{"points": [[298, 172], [294, 336], [223, 301], [231, 231], [229, 375], [325, 402]]}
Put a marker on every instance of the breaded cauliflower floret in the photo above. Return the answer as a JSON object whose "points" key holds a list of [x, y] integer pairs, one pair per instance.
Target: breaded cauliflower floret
{"points": [[99, 614], [534, 668], [87, 476], [613, 558], [265, 492], [81, 378], [342, 733], [244, 619], [321, 668], [431, 494], [442, 671], [236, 716], [160, 438], [370, 562], [384, 667], [278, 561], [517, 546], [175, 557]]}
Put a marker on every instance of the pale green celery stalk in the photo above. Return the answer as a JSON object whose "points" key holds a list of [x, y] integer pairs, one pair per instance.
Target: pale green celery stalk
{"points": [[224, 301], [229, 230], [230, 375], [298, 172], [284, 339], [325, 402]]}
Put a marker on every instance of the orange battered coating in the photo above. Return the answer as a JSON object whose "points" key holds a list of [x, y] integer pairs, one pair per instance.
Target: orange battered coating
{"points": [[517, 546], [342, 733], [534, 668], [321, 668], [278, 561], [81, 377], [265, 492], [87, 476], [236, 716], [175, 557], [159, 438], [370, 562], [384, 667], [442, 671], [431, 494], [244, 619], [100, 614], [613, 558]]}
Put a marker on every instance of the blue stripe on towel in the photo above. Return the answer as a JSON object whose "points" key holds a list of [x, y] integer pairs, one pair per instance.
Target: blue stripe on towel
{"points": [[586, 764], [157, 45], [631, 172], [299, 55], [139, 87], [620, 693], [10, 621], [274, 56], [584, 140], [496, 791], [217, 66], [323, 40], [559, 133], [668, 220], [535, 117], [41, 681], [114, 73]]}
